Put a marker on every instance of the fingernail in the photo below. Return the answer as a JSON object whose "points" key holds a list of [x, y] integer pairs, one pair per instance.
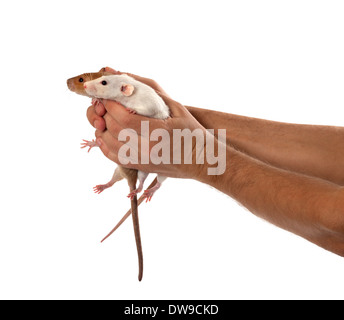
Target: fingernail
{"points": [[99, 142]]}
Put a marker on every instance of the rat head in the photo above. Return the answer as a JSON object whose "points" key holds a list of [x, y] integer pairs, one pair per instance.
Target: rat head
{"points": [[76, 84], [109, 87]]}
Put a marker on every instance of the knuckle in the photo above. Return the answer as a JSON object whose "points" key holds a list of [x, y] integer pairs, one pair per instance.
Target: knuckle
{"points": [[111, 125], [89, 111]]}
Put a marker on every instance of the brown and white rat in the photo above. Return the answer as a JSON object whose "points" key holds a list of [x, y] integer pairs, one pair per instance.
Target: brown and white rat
{"points": [[76, 84], [144, 101], [138, 98]]}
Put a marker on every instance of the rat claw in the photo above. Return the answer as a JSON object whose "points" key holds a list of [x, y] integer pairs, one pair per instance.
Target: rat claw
{"points": [[131, 111]]}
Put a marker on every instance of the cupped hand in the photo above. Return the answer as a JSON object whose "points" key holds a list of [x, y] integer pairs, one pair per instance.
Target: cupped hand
{"points": [[155, 145]]}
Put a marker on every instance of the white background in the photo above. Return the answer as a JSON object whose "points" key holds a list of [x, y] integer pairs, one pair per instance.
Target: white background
{"points": [[278, 60]]}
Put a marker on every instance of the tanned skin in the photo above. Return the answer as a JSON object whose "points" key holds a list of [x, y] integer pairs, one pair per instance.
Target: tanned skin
{"points": [[290, 175]]}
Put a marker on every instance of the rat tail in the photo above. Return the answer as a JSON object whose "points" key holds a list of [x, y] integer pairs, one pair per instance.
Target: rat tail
{"points": [[140, 200], [137, 235]]}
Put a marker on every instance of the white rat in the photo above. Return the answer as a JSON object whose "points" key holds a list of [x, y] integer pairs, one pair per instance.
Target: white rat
{"points": [[131, 93], [138, 98]]}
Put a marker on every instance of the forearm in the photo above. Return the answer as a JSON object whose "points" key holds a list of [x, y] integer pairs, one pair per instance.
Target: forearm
{"points": [[309, 149], [309, 207]]}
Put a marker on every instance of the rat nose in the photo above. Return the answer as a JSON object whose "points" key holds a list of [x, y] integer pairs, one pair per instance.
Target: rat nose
{"points": [[70, 84], [85, 86]]}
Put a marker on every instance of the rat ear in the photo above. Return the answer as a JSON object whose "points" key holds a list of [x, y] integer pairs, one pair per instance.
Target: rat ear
{"points": [[127, 89]]}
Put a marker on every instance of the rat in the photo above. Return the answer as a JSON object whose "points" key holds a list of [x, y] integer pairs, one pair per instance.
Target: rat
{"points": [[146, 102], [76, 84], [138, 98]]}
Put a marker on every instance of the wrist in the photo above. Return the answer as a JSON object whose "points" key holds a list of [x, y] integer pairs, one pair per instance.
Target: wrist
{"points": [[216, 159]]}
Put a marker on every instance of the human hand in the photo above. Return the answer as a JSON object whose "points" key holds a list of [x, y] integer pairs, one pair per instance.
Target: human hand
{"points": [[146, 152]]}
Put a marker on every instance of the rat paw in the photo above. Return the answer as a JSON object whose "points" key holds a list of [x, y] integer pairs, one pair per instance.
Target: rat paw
{"points": [[96, 101], [133, 193], [131, 111], [89, 144], [100, 188], [148, 194]]}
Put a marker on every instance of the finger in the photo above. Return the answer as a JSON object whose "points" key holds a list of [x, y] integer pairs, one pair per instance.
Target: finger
{"points": [[113, 71], [112, 125], [108, 145], [108, 139], [110, 70], [111, 146], [95, 120], [100, 109], [123, 117]]}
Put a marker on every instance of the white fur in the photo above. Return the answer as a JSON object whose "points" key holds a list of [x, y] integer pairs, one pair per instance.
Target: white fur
{"points": [[144, 100]]}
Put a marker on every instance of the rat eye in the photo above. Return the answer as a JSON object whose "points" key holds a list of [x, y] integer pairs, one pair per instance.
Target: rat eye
{"points": [[81, 80], [104, 83]]}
